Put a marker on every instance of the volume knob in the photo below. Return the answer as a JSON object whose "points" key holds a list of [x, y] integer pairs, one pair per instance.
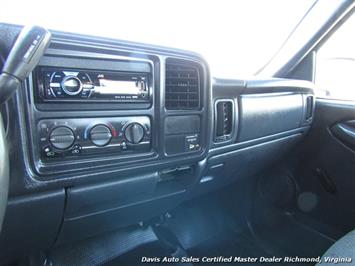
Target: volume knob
{"points": [[134, 133], [71, 85], [62, 137]]}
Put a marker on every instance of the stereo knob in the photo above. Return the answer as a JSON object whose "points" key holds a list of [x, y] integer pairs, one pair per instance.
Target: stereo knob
{"points": [[71, 85], [62, 137], [100, 135], [134, 133]]}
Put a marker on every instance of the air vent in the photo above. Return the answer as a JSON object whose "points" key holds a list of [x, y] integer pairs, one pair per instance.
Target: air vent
{"points": [[309, 107], [224, 120], [182, 85]]}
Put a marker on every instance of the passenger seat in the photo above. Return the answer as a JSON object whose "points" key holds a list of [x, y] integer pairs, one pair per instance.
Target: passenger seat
{"points": [[342, 249]]}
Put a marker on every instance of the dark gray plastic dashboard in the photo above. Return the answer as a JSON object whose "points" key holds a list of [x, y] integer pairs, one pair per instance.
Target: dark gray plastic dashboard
{"points": [[85, 196]]}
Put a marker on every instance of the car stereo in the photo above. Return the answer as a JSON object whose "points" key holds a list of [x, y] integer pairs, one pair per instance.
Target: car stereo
{"points": [[73, 85]]}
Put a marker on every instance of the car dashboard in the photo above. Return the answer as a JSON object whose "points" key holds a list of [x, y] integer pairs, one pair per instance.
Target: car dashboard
{"points": [[105, 134]]}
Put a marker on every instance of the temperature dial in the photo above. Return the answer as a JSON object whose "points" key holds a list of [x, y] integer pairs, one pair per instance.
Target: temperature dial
{"points": [[134, 133]]}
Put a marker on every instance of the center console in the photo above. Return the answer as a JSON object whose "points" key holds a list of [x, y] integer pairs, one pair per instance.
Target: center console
{"points": [[65, 139], [92, 109]]}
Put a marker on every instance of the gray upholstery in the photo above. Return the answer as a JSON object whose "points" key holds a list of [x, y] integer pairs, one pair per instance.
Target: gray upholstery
{"points": [[342, 249]]}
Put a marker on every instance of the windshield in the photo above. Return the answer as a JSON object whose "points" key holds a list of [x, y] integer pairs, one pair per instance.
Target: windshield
{"points": [[237, 38]]}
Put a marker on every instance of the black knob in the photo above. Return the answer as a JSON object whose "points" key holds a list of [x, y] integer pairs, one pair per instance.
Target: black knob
{"points": [[71, 85], [134, 133], [62, 137], [100, 135]]}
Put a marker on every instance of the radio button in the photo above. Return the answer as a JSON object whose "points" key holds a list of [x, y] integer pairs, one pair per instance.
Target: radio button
{"points": [[49, 93], [100, 135], [57, 77], [123, 145], [134, 133], [88, 86], [57, 92], [62, 138], [54, 85], [48, 152], [85, 93]]}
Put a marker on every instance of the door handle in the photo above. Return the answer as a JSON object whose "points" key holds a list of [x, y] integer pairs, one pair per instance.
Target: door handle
{"points": [[345, 132]]}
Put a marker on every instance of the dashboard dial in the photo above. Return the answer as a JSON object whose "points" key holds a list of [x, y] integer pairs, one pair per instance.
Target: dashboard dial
{"points": [[71, 85], [100, 135], [134, 133], [62, 137]]}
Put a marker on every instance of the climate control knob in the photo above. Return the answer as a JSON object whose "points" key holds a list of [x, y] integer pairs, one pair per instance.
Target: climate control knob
{"points": [[100, 135], [134, 133], [62, 137]]}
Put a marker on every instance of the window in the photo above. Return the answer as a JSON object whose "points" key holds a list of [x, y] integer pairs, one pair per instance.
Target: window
{"points": [[335, 67], [236, 37]]}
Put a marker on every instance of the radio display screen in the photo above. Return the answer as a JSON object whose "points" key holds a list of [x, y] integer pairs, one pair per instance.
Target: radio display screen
{"points": [[119, 84], [109, 86]]}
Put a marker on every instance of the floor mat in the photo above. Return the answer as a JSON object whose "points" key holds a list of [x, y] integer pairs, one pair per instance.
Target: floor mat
{"points": [[207, 228], [240, 247], [229, 244], [200, 220], [102, 249], [142, 255]]}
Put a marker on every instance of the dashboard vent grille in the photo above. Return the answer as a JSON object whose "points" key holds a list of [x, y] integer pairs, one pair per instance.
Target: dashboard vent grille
{"points": [[224, 120], [182, 86], [309, 107]]}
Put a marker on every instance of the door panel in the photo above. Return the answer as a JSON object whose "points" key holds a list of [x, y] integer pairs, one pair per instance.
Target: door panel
{"points": [[326, 171], [345, 132]]}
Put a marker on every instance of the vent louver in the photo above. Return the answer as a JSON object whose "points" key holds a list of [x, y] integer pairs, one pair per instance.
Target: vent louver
{"points": [[224, 120], [182, 86], [309, 107]]}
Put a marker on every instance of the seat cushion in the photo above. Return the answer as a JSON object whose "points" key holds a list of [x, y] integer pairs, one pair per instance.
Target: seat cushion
{"points": [[343, 249]]}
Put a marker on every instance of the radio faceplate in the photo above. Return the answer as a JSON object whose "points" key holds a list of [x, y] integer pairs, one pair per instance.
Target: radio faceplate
{"points": [[77, 85], [78, 137]]}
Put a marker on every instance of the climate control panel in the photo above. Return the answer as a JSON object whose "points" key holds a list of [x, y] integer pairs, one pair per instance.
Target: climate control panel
{"points": [[77, 137]]}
